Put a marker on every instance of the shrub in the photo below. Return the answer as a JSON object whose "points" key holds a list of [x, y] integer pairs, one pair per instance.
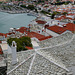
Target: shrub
{"points": [[21, 43]]}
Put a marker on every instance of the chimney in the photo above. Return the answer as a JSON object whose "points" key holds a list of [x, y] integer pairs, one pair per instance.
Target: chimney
{"points": [[64, 25], [14, 55], [24, 33]]}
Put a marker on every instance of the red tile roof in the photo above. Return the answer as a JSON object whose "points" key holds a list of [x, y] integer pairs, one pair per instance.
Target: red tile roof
{"points": [[1, 51], [57, 29], [71, 14], [23, 29], [38, 36], [32, 34], [2, 34], [63, 17], [70, 26], [47, 37], [60, 30], [41, 22], [29, 47], [11, 33], [46, 26], [0, 41]]}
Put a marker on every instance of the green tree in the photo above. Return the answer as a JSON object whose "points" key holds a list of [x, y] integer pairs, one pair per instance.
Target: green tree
{"points": [[52, 17], [24, 6], [0, 2], [46, 6], [49, 10], [21, 43], [31, 7], [54, 13], [64, 13], [36, 11]]}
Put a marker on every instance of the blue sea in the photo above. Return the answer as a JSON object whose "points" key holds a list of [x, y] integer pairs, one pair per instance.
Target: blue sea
{"points": [[8, 21]]}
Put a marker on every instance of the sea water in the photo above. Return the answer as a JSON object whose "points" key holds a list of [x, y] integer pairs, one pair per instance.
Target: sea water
{"points": [[8, 21]]}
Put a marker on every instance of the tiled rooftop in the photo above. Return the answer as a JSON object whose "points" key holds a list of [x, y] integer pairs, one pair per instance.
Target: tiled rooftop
{"points": [[29, 47], [33, 34], [1, 52], [2, 34], [46, 61], [41, 22], [60, 30], [57, 29], [2, 62], [23, 55], [56, 40]]}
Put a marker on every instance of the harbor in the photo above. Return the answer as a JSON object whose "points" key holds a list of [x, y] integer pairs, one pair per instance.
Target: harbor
{"points": [[8, 21]]}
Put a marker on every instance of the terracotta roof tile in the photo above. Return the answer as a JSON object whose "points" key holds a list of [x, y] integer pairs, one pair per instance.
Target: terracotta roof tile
{"points": [[60, 30], [63, 17], [2, 34], [1, 51], [57, 29], [23, 29], [47, 37], [70, 26], [29, 47], [32, 34], [0, 41], [41, 22]]}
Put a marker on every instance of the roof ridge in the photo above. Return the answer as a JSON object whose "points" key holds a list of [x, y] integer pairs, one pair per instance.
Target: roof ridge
{"points": [[20, 64], [56, 46], [31, 63], [54, 62], [73, 36]]}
